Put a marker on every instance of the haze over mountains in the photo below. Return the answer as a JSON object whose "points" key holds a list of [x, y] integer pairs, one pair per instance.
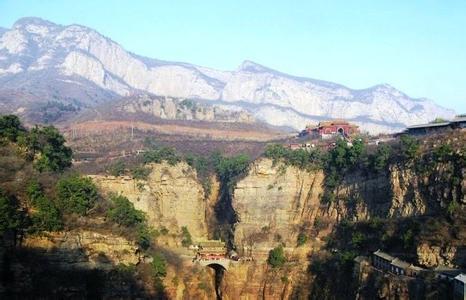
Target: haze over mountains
{"points": [[42, 61]]}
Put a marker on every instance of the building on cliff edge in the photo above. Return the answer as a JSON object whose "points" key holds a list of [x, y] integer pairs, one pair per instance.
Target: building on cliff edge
{"points": [[459, 122], [331, 128], [459, 287]]}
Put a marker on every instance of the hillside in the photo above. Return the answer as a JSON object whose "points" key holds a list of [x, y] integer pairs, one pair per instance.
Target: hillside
{"points": [[41, 61]]}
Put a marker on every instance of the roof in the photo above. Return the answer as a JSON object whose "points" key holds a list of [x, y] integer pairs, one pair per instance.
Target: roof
{"points": [[442, 124], [416, 268], [384, 255], [461, 277], [212, 244], [335, 122], [460, 118], [360, 258], [447, 271], [400, 263]]}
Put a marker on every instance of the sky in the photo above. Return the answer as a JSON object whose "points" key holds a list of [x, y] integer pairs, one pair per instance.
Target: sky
{"points": [[417, 46]]}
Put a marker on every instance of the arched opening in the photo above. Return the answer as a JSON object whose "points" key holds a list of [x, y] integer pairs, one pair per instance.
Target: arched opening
{"points": [[219, 272], [341, 131]]}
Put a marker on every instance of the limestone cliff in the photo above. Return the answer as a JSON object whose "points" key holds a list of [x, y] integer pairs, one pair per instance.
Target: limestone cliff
{"points": [[75, 264], [402, 192], [172, 196], [84, 249], [182, 109], [273, 204]]}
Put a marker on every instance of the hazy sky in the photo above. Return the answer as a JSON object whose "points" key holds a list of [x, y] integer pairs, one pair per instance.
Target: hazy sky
{"points": [[418, 46]]}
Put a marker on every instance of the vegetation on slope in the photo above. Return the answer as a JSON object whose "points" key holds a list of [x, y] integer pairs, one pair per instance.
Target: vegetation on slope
{"points": [[39, 195]]}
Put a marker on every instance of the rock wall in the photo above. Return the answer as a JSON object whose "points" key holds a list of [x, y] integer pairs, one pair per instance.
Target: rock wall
{"points": [[179, 109], [75, 264], [403, 192], [84, 249], [171, 196], [435, 255], [273, 204]]}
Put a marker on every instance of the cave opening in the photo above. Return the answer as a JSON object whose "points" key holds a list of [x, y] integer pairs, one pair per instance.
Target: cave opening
{"points": [[219, 273]]}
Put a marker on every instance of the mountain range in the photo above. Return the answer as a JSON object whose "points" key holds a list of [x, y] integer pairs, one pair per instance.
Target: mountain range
{"points": [[41, 61]]}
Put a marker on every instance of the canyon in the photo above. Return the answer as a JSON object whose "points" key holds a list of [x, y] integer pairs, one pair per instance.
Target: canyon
{"points": [[273, 204]]}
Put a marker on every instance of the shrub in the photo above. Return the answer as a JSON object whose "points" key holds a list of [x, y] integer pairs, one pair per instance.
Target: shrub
{"points": [[302, 239], [76, 194], [164, 231], [10, 127], [203, 167], [159, 266], [276, 257], [357, 239], [47, 217], [381, 158], [9, 217], [452, 207], [186, 237], [158, 155], [409, 147], [301, 158], [144, 236], [117, 169], [442, 153], [50, 145], [140, 173], [228, 168], [123, 212]]}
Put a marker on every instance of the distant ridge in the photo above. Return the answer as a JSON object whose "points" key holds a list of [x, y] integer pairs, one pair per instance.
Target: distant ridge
{"points": [[76, 64]]}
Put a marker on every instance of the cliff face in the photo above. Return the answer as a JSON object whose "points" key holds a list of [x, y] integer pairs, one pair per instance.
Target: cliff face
{"points": [[179, 109], [72, 264], [84, 249], [403, 192], [171, 197], [274, 204]]}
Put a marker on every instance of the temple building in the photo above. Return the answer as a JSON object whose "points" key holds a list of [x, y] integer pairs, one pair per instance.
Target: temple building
{"points": [[211, 250], [328, 129]]}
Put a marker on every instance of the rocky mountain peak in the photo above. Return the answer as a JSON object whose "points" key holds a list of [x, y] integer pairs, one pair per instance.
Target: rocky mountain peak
{"points": [[39, 57], [250, 66], [31, 24]]}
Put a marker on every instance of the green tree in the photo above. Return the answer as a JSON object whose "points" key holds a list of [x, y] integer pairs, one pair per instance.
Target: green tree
{"points": [[357, 239], [47, 146], [10, 127], [9, 217], [186, 237], [276, 257], [158, 155], [140, 173], [76, 194], [409, 147], [159, 266], [117, 169], [144, 237], [47, 216], [275, 152], [123, 212], [229, 168], [355, 152], [302, 239], [443, 152], [381, 157]]}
